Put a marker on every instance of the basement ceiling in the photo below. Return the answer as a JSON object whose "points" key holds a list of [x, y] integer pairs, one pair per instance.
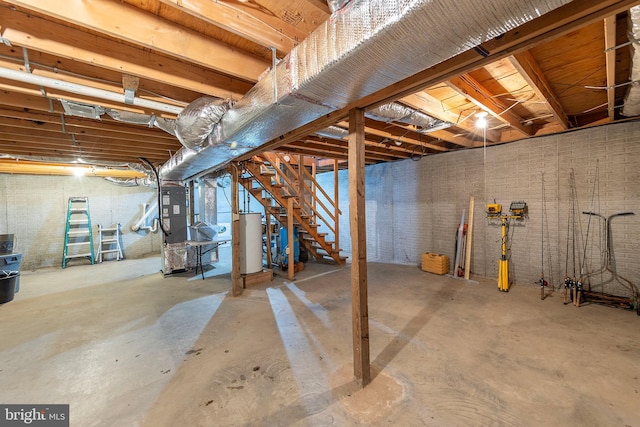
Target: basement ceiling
{"points": [[565, 70]]}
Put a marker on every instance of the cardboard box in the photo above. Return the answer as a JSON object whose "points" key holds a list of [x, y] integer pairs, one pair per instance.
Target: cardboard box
{"points": [[435, 263]]}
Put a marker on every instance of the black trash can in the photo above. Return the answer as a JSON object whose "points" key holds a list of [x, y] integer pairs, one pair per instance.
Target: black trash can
{"points": [[8, 285]]}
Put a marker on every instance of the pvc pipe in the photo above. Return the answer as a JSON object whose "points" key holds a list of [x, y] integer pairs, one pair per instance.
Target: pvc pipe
{"points": [[147, 211], [29, 78]]}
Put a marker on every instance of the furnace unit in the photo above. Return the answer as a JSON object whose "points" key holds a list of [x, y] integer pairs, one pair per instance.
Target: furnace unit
{"points": [[173, 216]]}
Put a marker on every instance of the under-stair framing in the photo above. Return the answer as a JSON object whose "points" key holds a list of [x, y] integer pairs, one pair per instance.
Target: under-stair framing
{"points": [[272, 181]]}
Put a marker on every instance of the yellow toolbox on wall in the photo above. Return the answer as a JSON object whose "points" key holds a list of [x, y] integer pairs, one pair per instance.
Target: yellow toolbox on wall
{"points": [[435, 263]]}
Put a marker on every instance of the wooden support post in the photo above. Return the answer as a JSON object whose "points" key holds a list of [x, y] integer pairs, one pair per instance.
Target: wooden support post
{"points": [[467, 254], [359, 302], [336, 212], [314, 197], [290, 242], [301, 184], [236, 282]]}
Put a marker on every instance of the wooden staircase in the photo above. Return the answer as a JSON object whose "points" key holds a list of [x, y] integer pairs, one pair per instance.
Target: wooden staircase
{"points": [[273, 181]]}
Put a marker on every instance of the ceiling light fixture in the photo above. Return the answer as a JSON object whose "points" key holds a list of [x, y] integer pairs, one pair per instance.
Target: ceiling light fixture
{"points": [[481, 120], [398, 142], [79, 171]]}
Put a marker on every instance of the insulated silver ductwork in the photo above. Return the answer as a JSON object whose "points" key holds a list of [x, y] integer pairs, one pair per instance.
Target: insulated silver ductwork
{"points": [[130, 117], [631, 106], [366, 47], [396, 112], [132, 182], [333, 132]]}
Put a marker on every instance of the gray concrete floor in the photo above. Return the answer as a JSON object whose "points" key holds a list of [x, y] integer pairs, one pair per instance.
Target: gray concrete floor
{"points": [[125, 347]]}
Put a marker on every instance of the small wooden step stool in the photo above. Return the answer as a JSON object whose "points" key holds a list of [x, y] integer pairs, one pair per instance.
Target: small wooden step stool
{"points": [[109, 242], [78, 239]]}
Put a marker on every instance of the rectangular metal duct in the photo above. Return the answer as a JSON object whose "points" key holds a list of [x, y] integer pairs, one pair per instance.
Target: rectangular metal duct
{"points": [[365, 47]]}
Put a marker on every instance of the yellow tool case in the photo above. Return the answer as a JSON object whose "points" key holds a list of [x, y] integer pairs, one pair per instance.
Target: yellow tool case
{"points": [[435, 263]]}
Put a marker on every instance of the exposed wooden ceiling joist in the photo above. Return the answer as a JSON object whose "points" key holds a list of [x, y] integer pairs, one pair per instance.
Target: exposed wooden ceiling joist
{"points": [[142, 29], [527, 66], [549, 73]]}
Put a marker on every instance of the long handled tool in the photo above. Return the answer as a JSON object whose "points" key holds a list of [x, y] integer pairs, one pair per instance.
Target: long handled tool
{"points": [[543, 283], [609, 265]]}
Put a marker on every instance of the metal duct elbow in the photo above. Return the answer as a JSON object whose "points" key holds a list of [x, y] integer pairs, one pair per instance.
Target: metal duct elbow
{"points": [[133, 118], [396, 112], [167, 125], [631, 106], [333, 132], [196, 122]]}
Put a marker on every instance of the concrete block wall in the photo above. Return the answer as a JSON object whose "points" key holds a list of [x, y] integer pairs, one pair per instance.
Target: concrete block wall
{"points": [[34, 209], [415, 206]]}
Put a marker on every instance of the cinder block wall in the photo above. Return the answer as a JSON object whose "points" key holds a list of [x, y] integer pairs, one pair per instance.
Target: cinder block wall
{"points": [[34, 209], [415, 206]]}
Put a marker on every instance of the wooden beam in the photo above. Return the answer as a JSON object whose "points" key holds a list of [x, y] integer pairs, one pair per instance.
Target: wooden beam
{"points": [[357, 219], [336, 203], [386, 131], [467, 254], [86, 126], [236, 280], [471, 89], [38, 168], [291, 268], [528, 68], [423, 101], [24, 126], [283, 37], [610, 57], [151, 32], [52, 38]]}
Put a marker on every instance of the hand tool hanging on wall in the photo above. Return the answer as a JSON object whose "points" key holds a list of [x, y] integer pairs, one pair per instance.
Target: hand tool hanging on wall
{"points": [[542, 282]]}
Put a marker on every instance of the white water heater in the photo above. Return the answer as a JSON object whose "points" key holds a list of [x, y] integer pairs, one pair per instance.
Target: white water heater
{"points": [[250, 243]]}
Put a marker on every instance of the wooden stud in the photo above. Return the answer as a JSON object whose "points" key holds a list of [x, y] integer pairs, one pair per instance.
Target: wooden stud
{"points": [[336, 205], [301, 196], [467, 254], [290, 242], [236, 280], [359, 302]]}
